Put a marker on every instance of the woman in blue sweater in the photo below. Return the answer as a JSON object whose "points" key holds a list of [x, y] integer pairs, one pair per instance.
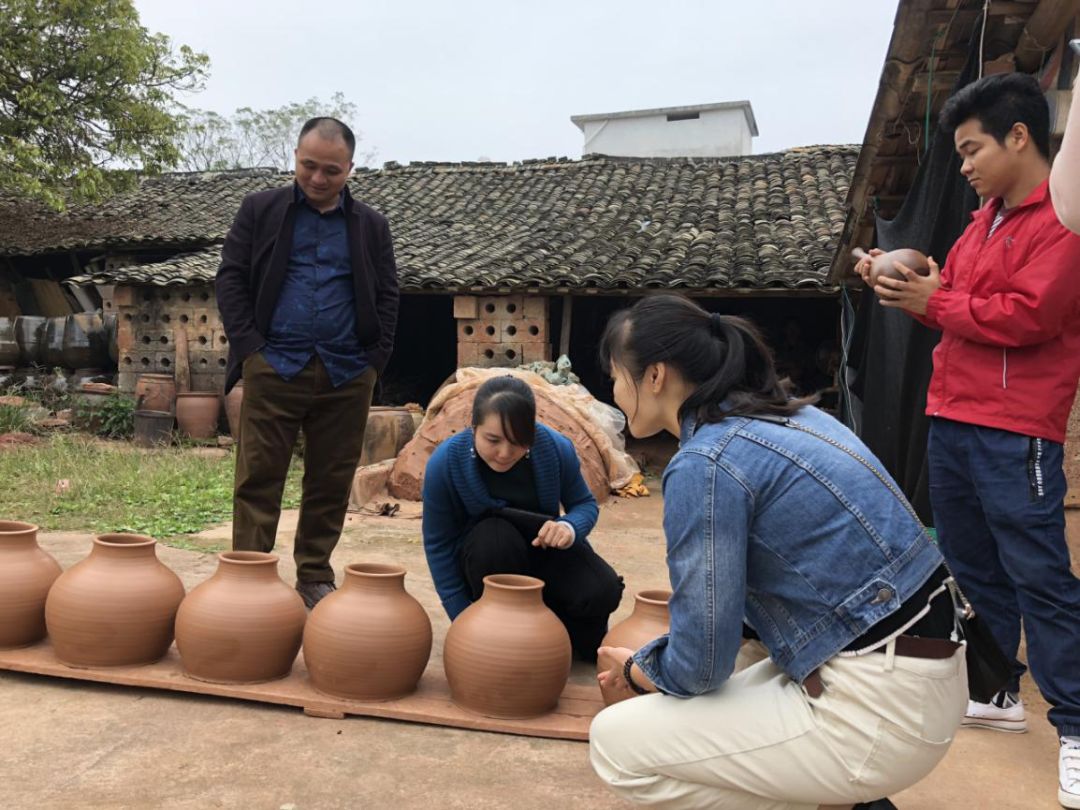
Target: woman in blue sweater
{"points": [[508, 460]]}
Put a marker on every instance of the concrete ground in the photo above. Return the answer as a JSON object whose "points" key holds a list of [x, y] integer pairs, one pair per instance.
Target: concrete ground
{"points": [[69, 744]]}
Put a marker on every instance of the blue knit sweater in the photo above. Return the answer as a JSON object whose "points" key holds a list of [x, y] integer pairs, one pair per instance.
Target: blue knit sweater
{"points": [[454, 494]]}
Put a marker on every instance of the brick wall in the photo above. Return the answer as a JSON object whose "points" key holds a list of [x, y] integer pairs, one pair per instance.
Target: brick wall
{"points": [[147, 321], [501, 330]]}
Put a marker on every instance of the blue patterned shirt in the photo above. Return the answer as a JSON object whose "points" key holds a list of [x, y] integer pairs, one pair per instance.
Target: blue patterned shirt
{"points": [[316, 310]]}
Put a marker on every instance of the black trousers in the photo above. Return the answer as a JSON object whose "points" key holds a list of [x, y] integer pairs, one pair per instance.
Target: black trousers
{"points": [[579, 586]]}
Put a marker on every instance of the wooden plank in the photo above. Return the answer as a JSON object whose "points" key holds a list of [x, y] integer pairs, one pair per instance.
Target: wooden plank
{"points": [[430, 704], [564, 330]]}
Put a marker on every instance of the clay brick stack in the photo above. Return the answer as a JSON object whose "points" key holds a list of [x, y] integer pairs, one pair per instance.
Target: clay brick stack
{"points": [[502, 330], [147, 321]]}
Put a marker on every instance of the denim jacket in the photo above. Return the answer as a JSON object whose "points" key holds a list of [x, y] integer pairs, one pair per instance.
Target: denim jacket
{"points": [[771, 525]]}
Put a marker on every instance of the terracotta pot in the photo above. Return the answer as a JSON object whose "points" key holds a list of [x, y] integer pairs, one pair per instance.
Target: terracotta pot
{"points": [[234, 401], [650, 619], [370, 640], [26, 574], [507, 655], [197, 413], [52, 343], [885, 264], [29, 332], [155, 392], [387, 431], [116, 607], [9, 346], [243, 625]]}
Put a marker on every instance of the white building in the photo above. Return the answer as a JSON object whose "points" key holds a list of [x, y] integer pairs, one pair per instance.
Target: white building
{"points": [[700, 130]]}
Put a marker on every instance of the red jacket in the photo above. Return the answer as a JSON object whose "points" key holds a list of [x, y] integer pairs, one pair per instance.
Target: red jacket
{"points": [[1009, 312]]}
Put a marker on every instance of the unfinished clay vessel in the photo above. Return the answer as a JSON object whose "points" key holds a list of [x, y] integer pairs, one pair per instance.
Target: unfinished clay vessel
{"points": [[155, 392], [26, 574], [649, 620], [370, 640], [243, 625], [885, 264], [197, 413], [116, 607], [507, 655]]}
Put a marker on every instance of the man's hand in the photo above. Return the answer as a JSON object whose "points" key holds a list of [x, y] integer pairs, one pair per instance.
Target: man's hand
{"points": [[862, 266], [910, 293], [610, 662], [554, 534]]}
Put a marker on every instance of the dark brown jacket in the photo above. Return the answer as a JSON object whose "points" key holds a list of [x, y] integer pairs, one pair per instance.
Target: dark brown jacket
{"points": [[255, 258]]}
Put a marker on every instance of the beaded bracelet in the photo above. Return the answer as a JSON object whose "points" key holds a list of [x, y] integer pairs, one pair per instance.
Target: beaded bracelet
{"points": [[637, 690]]}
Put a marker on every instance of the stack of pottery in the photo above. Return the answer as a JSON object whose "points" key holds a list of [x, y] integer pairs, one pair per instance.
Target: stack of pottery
{"points": [[197, 413], [116, 607], [649, 620], [9, 346], [507, 655], [243, 625], [370, 640], [26, 574]]}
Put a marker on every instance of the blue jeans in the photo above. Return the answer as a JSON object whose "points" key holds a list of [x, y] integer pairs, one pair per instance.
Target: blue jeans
{"points": [[998, 502]]}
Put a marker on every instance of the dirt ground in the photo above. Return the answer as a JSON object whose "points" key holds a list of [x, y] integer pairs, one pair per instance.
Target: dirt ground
{"points": [[69, 744]]}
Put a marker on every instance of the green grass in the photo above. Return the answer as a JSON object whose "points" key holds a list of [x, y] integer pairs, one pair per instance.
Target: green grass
{"points": [[113, 486], [15, 419]]}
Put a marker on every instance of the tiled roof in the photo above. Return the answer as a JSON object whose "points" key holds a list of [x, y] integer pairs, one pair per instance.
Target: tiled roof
{"points": [[763, 221]]}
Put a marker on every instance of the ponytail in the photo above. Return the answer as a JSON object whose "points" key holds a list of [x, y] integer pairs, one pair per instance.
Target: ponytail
{"points": [[723, 357]]}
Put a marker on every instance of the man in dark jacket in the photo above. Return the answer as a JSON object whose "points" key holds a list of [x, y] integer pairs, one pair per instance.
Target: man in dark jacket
{"points": [[308, 294]]}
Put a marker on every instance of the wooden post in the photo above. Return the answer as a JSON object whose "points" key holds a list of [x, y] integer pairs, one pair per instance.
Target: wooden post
{"points": [[182, 362], [567, 318]]}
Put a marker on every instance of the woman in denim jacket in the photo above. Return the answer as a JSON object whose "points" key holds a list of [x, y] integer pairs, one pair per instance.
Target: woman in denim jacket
{"points": [[781, 527]]}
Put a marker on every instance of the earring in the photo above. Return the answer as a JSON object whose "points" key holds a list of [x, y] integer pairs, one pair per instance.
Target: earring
{"points": [[472, 451], [528, 454]]}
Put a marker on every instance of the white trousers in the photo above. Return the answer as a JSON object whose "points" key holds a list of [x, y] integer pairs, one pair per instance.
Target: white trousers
{"points": [[761, 743]]}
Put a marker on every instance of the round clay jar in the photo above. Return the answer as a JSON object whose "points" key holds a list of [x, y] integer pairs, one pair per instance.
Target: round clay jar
{"points": [[26, 574], [649, 620]]}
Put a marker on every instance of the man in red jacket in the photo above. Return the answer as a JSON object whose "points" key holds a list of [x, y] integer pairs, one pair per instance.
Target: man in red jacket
{"points": [[1007, 303]]}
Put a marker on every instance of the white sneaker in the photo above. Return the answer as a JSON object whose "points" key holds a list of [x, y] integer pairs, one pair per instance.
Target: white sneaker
{"points": [[1004, 713], [1069, 772]]}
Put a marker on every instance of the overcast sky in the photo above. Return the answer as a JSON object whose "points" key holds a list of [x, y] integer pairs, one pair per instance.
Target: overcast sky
{"points": [[499, 79]]}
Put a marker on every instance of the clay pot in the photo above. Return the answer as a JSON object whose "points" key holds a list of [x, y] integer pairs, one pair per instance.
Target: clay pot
{"points": [[507, 655], [85, 342], [116, 607], [234, 401], [370, 640], [26, 574], [52, 343], [885, 264], [197, 413], [29, 331], [155, 392], [243, 625], [153, 428], [9, 346], [650, 619], [388, 430]]}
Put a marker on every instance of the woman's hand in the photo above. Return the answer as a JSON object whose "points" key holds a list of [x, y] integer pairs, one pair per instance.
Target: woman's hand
{"points": [[862, 267], [555, 534]]}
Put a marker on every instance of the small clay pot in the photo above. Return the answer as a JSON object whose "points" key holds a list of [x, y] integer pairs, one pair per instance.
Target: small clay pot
{"points": [[885, 264], [116, 607], [155, 392], [649, 620], [197, 413], [234, 402], [369, 640], [26, 574], [507, 655], [243, 625]]}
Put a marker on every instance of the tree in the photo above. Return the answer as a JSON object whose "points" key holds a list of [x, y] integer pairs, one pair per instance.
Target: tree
{"points": [[87, 98], [248, 138]]}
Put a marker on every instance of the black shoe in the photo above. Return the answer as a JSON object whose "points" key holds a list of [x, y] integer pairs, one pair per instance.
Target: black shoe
{"points": [[314, 592], [880, 804]]}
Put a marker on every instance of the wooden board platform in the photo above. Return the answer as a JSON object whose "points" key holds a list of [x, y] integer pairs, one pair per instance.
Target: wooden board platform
{"points": [[429, 704]]}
